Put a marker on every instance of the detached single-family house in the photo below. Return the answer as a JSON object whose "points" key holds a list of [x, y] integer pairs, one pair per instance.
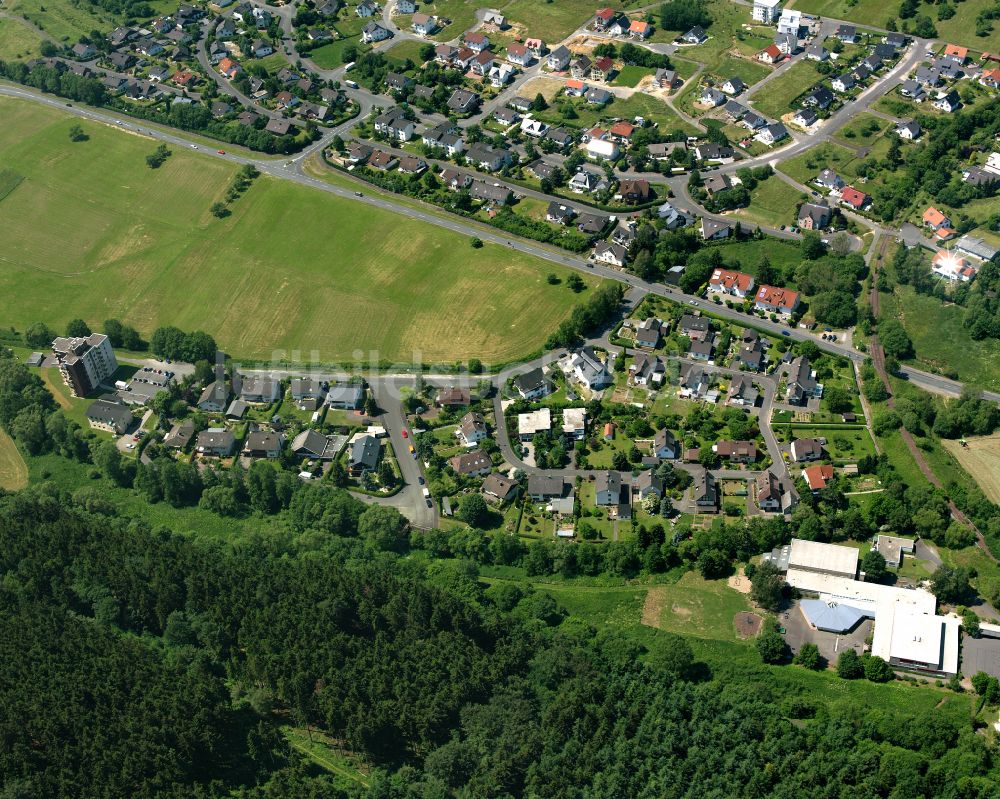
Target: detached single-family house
{"points": [[843, 83], [610, 253], [263, 444], [771, 54], [705, 491], [829, 179], [373, 32], [532, 384], [471, 464], [365, 9], [695, 35], [948, 102], [559, 58], [590, 370], [712, 230], [857, 200], [472, 429], [518, 54], [806, 449], [500, 489], [364, 455], [774, 494], [814, 216], [908, 130], [215, 442]]}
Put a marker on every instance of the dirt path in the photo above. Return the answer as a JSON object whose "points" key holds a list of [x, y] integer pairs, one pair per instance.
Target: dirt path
{"points": [[652, 608]]}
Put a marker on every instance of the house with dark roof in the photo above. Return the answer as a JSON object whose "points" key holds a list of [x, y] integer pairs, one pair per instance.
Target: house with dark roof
{"points": [[114, 417], [364, 455]]}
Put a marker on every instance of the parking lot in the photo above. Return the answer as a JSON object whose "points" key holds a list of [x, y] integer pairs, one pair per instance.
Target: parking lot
{"points": [[980, 654]]}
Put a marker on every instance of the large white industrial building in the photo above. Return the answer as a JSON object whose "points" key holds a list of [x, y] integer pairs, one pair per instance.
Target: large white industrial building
{"points": [[908, 632]]}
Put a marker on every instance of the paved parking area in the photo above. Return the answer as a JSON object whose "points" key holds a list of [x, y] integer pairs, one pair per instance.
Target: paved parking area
{"points": [[798, 632], [980, 654]]}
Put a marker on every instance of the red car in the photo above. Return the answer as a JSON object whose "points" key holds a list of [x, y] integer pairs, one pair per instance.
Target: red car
{"points": [[221, 152], [405, 434]]}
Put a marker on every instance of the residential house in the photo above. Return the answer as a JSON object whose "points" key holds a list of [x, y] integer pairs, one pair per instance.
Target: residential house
{"points": [[711, 97], [590, 371], [259, 389], [696, 328], [531, 424], [948, 102], [753, 121], [714, 183], [445, 53], [621, 131], [490, 193], [806, 449], [929, 77], [774, 494], [665, 78], [536, 47], [500, 489], [766, 11], [602, 69], [261, 48], [455, 180], [580, 67], [814, 216], [393, 125], [908, 130], [702, 350], [364, 455], [607, 488], [345, 396], [488, 157], [817, 52], [462, 101], [559, 214], [482, 63], [533, 127], [935, 220], [84, 52], [263, 444], [532, 384], [214, 397], [517, 53], [742, 392], [956, 53], [373, 32], [665, 445], [727, 281], [542, 487], [634, 191], [801, 382], [575, 423], [952, 267], [649, 333], [843, 83], [597, 96], [405, 6], [308, 392], [647, 484], [711, 230], [695, 35], [787, 43], [817, 477], [736, 451], [114, 417], [394, 81], [646, 370], [771, 54], [383, 161], [848, 34], [821, 98], [640, 29], [452, 397], [506, 116], [215, 442], [180, 435], [829, 179], [359, 153], [790, 22], [610, 253], [712, 153], [365, 9], [477, 41], [471, 464], [412, 165], [559, 58], [705, 491], [857, 200], [772, 299], [805, 117], [694, 382], [500, 75], [734, 86], [770, 134], [230, 68]]}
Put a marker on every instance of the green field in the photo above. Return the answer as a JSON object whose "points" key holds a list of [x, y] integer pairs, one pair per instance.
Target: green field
{"points": [[405, 50], [775, 98], [329, 275], [940, 339], [67, 21], [843, 446], [696, 607], [806, 166], [959, 29], [652, 109], [747, 254], [862, 130], [772, 202], [18, 41], [631, 75]]}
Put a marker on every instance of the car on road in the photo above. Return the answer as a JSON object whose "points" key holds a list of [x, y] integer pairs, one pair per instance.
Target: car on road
{"points": [[194, 146], [692, 302], [221, 152], [785, 333], [412, 450], [358, 194], [420, 479]]}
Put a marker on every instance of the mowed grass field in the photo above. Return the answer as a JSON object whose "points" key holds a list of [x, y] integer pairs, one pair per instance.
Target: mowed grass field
{"points": [[981, 459], [775, 98], [13, 470], [66, 21], [772, 203], [93, 232]]}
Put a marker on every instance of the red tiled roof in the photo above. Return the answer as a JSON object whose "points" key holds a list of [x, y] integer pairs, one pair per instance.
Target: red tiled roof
{"points": [[727, 278], [852, 196], [956, 50], [778, 297], [604, 64], [818, 476], [932, 216]]}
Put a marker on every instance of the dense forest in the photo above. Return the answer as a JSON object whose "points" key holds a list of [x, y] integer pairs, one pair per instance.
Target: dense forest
{"points": [[138, 662]]}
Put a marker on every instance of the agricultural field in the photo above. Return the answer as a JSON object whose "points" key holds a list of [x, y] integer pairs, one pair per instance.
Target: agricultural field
{"points": [[13, 470], [18, 40], [980, 457], [775, 98], [772, 203], [141, 245]]}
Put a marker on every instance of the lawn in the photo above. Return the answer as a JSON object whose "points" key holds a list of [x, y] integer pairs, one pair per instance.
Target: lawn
{"points": [[631, 75], [941, 340], [653, 109], [405, 50], [747, 254], [772, 202], [67, 21], [862, 130], [695, 606], [13, 470], [843, 446], [806, 166], [775, 98], [332, 286], [18, 41]]}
